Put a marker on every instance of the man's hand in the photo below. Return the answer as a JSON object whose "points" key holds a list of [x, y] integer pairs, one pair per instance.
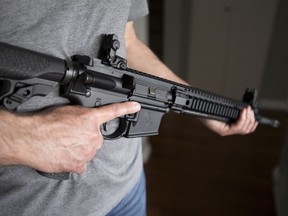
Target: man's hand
{"points": [[59, 139], [245, 124]]}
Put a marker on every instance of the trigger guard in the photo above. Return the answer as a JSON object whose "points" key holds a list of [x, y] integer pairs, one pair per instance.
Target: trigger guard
{"points": [[119, 131]]}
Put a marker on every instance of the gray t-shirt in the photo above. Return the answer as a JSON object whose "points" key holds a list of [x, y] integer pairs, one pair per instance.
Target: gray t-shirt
{"points": [[64, 28]]}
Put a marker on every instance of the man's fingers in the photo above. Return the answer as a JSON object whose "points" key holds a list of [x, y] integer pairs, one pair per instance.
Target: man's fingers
{"points": [[246, 123], [112, 111], [240, 123], [254, 127]]}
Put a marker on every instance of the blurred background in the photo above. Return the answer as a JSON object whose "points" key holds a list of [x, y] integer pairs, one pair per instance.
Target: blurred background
{"points": [[223, 46]]}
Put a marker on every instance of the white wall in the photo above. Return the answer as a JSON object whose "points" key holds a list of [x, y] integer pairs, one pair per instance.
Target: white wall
{"points": [[222, 45]]}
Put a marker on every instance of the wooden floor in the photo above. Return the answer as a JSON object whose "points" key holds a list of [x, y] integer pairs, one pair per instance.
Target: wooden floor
{"points": [[194, 172]]}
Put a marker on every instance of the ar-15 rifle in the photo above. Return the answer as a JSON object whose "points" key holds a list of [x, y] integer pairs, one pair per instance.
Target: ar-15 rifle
{"points": [[92, 82]]}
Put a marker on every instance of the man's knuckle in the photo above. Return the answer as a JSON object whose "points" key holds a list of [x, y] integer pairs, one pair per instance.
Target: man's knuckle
{"points": [[115, 110], [91, 151], [77, 164], [79, 168], [222, 134], [99, 143]]}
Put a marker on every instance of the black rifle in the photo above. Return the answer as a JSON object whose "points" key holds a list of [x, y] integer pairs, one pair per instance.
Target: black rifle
{"points": [[93, 82]]}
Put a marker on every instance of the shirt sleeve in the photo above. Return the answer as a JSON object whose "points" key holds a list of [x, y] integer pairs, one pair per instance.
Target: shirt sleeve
{"points": [[138, 9]]}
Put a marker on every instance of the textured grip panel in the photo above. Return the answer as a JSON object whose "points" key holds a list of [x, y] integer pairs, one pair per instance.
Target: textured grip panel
{"points": [[57, 176], [19, 63]]}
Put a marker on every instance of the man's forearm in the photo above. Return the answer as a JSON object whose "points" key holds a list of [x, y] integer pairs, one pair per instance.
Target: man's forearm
{"points": [[141, 58], [8, 140]]}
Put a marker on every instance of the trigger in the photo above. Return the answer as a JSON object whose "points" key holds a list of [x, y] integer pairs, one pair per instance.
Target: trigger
{"points": [[104, 127], [132, 117]]}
